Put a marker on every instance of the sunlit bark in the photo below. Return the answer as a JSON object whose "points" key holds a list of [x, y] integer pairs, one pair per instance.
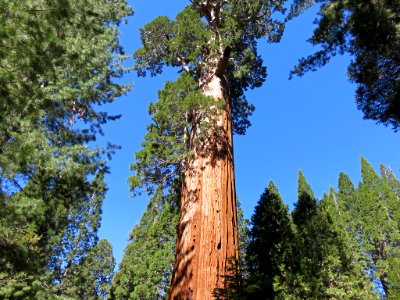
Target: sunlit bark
{"points": [[207, 232]]}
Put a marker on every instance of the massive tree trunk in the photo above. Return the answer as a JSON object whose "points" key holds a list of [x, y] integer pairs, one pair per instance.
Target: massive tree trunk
{"points": [[207, 232]]}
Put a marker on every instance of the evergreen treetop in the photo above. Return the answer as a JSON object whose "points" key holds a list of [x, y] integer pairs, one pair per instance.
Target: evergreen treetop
{"points": [[306, 205]]}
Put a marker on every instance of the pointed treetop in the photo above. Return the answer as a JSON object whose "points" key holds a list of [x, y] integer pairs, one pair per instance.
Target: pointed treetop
{"points": [[270, 199], [368, 174], [389, 176], [345, 185], [272, 188], [270, 203], [303, 186], [306, 205]]}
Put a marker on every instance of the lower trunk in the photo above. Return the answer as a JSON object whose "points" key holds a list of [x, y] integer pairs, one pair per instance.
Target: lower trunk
{"points": [[207, 233]]}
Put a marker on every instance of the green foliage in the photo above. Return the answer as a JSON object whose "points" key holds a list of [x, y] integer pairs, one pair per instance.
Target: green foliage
{"points": [[324, 267], [172, 43], [370, 32], [145, 270], [91, 277], [167, 143], [58, 65], [379, 213], [306, 206], [312, 257], [270, 246]]}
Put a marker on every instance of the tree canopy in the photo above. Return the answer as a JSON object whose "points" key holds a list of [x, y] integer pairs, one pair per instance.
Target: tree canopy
{"points": [[370, 32], [58, 65]]}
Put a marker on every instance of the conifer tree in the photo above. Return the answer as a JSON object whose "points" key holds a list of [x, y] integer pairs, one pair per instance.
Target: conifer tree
{"points": [[379, 215], [269, 250], [351, 222], [391, 179], [345, 275], [345, 246], [58, 65], [347, 218], [322, 269], [305, 276], [370, 214], [145, 270], [214, 45], [91, 277], [306, 206]]}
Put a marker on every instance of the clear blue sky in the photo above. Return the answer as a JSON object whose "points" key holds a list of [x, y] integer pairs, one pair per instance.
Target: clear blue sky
{"points": [[309, 123]]}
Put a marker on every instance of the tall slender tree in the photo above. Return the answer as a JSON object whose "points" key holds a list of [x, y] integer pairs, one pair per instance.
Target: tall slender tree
{"points": [[214, 44], [379, 215], [306, 206], [345, 276], [370, 214], [346, 216], [269, 250]]}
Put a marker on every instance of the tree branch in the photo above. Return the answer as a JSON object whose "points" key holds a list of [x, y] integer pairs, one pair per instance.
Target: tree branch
{"points": [[181, 59], [223, 61]]}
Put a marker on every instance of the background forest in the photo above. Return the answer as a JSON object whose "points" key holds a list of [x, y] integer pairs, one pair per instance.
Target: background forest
{"points": [[61, 61]]}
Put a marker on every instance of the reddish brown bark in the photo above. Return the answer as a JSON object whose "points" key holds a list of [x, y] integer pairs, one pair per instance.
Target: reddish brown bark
{"points": [[207, 233]]}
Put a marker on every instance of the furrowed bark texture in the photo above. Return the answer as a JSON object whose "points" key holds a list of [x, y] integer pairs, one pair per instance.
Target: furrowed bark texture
{"points": [[207, 233]]}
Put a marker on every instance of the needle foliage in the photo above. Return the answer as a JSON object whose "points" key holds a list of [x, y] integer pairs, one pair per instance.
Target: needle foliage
{"points": [[58, 65]]}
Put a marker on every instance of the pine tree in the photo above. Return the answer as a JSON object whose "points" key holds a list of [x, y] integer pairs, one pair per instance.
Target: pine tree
{"points": [[346, 276], [270, 246], [213, 43], [306, 206], [58, 63], [394, 262], [323, 269], [304, 278], [347, 218], [391, 179], [145, 270], [379, 214], [371, 214]]}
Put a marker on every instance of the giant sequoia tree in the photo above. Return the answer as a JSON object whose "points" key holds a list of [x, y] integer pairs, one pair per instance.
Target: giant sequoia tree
{"points": [[214, 45]]}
